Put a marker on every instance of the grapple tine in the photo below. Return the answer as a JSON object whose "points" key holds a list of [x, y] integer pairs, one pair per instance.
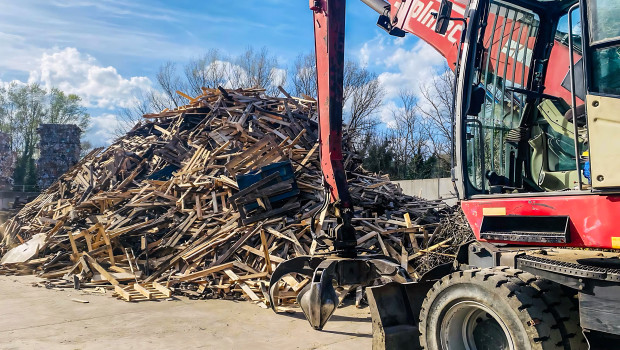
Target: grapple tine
{"points": [[319, 300], [304, 265]]}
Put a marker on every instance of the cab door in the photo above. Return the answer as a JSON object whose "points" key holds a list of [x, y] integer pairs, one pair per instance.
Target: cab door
{"points": [[466, 74], [602, 58]]}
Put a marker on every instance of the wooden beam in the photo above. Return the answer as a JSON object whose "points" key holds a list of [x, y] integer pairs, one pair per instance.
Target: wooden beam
{"points": [[94, 264], [205, 272]]}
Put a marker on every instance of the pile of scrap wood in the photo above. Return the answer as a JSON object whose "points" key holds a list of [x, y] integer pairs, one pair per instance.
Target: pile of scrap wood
{"points": [[205, 200]]}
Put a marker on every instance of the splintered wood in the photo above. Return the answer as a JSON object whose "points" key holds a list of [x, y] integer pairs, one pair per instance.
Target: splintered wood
{"points": [[164, 210]]}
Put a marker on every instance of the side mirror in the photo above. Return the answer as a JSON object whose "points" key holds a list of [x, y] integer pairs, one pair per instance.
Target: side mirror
{"points": [[478, 95], [443, 17]]}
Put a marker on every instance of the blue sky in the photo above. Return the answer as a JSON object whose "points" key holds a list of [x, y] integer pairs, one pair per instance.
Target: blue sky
{"points": [[108, 50]]}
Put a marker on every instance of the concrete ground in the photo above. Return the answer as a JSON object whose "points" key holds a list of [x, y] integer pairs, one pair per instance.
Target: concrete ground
{"points": [[40, 318]]}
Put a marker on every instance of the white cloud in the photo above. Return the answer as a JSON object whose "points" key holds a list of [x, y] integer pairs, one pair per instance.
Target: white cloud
{"points": [[124, 32], [279, 77], [371, 52], [405, 67], [386, 113], [102, 130], [6, 84], [410, 68], [401, 41], [364, 54], [81, 74], [103, 89]]}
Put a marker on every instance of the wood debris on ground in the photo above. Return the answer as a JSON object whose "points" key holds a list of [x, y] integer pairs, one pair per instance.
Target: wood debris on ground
{"points": [[205, 200]]}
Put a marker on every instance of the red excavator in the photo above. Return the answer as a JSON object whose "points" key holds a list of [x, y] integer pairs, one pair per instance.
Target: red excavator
{"points": [[535, 124]]}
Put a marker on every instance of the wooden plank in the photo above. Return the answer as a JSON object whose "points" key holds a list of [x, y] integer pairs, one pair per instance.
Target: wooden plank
{"points": [[94, 264], [124, 294], [165, 291], [265, 251], [108, 243], [214, 201], [383, 247], [162, 130], [246, 289], [408, 220], [429, 249], [198, 207], [140, 289], [205, 272], [272, 258], [258, 275], [76, 253]]}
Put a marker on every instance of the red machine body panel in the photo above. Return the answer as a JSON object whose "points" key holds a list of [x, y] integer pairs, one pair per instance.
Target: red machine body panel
{"points": [[592, 216], [416, 17]]}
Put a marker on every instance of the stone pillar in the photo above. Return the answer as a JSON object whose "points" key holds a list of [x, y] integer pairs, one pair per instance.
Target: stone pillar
{"points": [[7, 162], [59, 150]]}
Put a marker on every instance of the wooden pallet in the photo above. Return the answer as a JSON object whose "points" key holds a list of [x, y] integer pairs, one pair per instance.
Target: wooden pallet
{"points": [[142, 292]]}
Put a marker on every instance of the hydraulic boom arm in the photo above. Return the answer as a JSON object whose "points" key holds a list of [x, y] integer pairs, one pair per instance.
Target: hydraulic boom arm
{"points": [[329, 24]]}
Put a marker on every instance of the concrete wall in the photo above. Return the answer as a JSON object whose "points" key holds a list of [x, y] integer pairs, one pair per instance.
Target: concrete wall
{"points": [[429, 189]]}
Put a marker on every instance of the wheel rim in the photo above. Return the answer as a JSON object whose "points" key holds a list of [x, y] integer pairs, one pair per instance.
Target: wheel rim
{"points": [[469, 325]]}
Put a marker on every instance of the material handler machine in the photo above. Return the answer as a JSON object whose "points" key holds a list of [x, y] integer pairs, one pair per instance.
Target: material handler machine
{"points": [[536, 131]]}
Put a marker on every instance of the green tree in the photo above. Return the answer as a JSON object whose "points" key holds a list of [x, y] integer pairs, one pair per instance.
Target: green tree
{"points": [[378, 155], [66, 109], [22, 109]]}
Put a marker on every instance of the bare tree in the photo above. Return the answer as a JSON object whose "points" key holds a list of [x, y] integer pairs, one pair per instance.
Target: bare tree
{"points": [[127, 118], [210, 70], [364, 95], [421, 132], [303, 75], [408, 136], [169, 82], [437, 97], [257, 69]]}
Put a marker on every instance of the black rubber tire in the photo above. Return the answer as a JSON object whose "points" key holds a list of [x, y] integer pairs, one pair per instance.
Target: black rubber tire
{"points": [[560, 304], [519, 306]]}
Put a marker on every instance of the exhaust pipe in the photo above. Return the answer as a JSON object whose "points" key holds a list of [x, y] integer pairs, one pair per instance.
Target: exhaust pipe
{"points": [[378, 5]]}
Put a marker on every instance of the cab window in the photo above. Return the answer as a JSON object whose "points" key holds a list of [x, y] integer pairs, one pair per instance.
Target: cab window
{"points": [[522, 140], [605, 43]]}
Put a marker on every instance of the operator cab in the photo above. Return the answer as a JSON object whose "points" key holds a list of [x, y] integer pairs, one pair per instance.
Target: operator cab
{"points": [[526, 125]]}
